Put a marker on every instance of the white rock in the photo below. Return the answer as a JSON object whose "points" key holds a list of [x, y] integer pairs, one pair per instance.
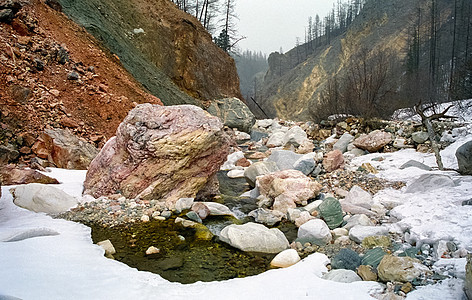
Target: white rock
{"points": [[312, 206], [285, 259], [339, 232], [138, 30], [316, 231], [152, 250], [107, 246], [293, 214], [145, 218], [358, 220], [254, 237], [341, 275], [217, 209], [358, 233], [230, 162], [264, 123], [183, 204], [359, 197], [295, 136], [43, 198], [241, 136], [236, 173], [276, 139]]}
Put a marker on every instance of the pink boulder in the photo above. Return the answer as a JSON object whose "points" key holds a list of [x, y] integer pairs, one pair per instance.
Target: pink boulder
{"points": [[373, 141], [158, 153], [333, 160]]}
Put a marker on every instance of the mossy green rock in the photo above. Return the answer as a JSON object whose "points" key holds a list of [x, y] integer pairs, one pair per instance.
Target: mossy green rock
{"points": [[373, 257], [331, 212], [371, 242]]}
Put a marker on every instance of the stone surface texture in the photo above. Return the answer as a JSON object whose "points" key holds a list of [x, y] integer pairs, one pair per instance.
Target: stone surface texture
{"points": [[159, 153], [373, 141], [43, 198], [65, 150], [254, 237], [233, 113], [287, 189]]}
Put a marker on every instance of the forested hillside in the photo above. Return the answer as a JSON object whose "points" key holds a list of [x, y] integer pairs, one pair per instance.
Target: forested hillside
{"points": [[386, 55]]}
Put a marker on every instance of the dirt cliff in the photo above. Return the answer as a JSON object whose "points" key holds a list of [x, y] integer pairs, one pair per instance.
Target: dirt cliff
{"points": [[54, 74]]}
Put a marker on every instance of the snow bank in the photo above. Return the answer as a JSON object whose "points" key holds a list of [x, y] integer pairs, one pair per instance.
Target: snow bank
{"points": [[56, 259]]}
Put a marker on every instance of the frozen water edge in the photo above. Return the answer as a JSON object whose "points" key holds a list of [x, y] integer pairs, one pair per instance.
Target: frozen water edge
{"points": [[70, 266]]}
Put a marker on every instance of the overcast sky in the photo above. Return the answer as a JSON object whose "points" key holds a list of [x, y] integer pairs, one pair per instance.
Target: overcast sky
{"points": [[271, 24]]}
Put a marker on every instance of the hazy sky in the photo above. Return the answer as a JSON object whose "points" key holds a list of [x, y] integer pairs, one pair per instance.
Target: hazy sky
{"points": [[271, 24]]}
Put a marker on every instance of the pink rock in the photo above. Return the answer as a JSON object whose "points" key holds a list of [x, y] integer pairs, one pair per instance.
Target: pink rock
{"points": [[334, 160], [287, 189], [12, 176], [201, 209], [373, 141], [159, 152]]}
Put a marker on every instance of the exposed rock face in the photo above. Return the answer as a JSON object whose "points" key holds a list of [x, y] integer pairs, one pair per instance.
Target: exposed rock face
{"points": [[254, 238], [233, 113], [65, 150], [183, 54], [373, 141], [159, 153], [464, 158], [8, 153], [12, 176], [287, 189], [43, 198]]}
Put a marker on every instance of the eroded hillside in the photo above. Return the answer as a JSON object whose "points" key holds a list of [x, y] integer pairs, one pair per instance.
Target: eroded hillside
{"points": [[160, 45]]}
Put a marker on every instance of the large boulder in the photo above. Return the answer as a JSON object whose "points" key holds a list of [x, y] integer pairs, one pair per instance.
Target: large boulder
{"points": [[402, 269], [373, 141], [253, 237], [287, 189], [13, 176], [464, 158], [64, 149], [159, 153], [233, 113], [42, 198], [331, 212]]}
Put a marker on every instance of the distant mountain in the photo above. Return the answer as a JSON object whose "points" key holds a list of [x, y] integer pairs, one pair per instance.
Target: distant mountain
{"points": [[394, 54]]}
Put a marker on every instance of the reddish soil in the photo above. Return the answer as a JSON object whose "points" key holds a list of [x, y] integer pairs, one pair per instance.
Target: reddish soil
{"points": [[35, 91]]}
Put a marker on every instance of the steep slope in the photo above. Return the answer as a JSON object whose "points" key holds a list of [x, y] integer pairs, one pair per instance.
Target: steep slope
{"points": [[156, 41], [54, 74], [292, 90]]}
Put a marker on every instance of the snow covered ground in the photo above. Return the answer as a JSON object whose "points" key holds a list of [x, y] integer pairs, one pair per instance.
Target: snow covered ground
{"points": [[45, 258]]}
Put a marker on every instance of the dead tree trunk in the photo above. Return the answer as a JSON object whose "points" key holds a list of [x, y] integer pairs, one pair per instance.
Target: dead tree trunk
{"points": [[428, 123]]}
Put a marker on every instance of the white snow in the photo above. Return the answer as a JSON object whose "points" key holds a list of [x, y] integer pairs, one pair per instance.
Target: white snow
{"points": [[49, 258], [56, 259]]}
